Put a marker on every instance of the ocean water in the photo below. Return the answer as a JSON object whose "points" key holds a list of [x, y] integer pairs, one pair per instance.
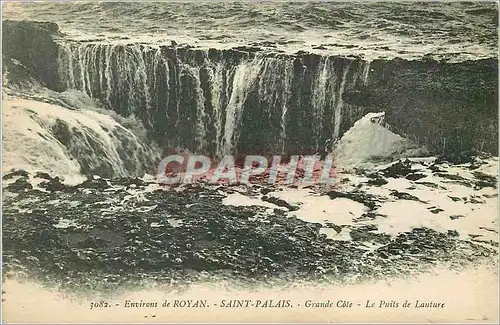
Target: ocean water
{"points": [[452, 31]]}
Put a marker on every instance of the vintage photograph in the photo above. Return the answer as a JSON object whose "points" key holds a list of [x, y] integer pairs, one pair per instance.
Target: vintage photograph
{"points": [[249, 161]]}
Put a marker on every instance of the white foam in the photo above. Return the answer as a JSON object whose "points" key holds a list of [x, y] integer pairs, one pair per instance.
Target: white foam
{"points": [[395, 216], [238, 199], [312, 208], [29, 144]]}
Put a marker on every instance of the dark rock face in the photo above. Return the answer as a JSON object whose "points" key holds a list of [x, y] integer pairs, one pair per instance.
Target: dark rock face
{"points": [[247, 100], [20, 185], [15, 173], [451, 107], [472, 156], [221, 101], [415, 176], [32, 44]]}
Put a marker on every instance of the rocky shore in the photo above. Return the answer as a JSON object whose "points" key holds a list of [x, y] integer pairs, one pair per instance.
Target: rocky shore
{"points": [[401, 219]]}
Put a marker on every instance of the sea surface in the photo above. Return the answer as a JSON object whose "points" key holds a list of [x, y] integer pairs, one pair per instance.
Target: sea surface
{"points": [[449, 31]]}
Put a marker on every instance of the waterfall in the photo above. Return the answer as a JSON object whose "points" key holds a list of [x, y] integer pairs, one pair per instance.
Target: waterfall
{"points": [[217, 102], [107, 71]]}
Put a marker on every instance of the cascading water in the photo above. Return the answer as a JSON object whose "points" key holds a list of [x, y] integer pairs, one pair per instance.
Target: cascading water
{"points": [[217, 102]]}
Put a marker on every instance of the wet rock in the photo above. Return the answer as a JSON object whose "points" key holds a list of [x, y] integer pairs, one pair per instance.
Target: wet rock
{"points": [[456, 179], [471, 156], [366, 234], [127, 181], [428, 112], [19, 185], [415, 176], [436, 169], [43, 176], [489, 229], [54, 185], [127, 242], [335, 227], [421, 243], [476, 163], [95, 183], [266, 191], [32, 44], [476, 200], [376, 180], [489, 242], [370, 215]]}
